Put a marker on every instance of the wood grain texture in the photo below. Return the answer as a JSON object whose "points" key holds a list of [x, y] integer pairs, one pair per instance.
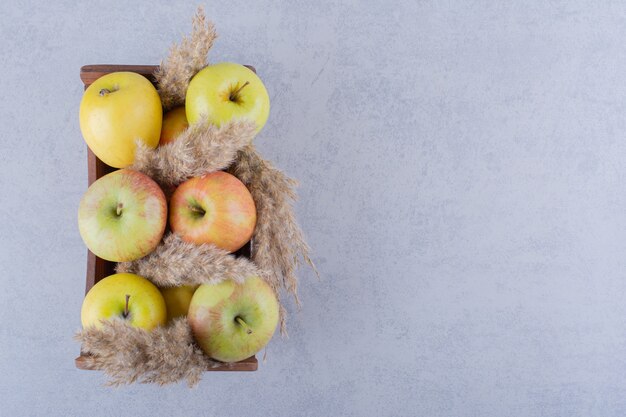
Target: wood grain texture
{"points": [[98, 268], [90, 73]]}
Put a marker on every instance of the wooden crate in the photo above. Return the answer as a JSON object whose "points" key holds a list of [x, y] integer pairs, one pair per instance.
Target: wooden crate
{"points": [[98, 268]]}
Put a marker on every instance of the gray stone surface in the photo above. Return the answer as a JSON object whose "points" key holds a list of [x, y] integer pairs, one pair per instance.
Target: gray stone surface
{"points": [[462, 183]]}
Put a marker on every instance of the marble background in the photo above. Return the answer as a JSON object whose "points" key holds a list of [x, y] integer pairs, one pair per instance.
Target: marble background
{"points": [[462, 185]]}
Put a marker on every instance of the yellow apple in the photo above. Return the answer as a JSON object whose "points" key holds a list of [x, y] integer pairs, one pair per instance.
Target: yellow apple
{"points": [[177, 300], [116, 110], [127, 297], [174, 123], [227, 91]]}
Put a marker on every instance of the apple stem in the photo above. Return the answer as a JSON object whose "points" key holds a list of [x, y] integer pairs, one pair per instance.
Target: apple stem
{"points": [[104, 92], [233, 95], [243, 324], [119, 208], [197, 209], [126, 306]]}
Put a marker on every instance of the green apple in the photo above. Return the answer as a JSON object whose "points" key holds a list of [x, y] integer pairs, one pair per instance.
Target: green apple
{"points": [[227, 91], [216, 208], [116, 110], [177, 300], [232, 322], [127, 297], [122, 216]]}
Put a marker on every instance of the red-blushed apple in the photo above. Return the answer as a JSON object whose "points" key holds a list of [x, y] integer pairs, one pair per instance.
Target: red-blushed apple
{"points": [[232, 322], [216, 208], [177, 300], [226, 91], [174, 123], [124, 297], [122, 216]]}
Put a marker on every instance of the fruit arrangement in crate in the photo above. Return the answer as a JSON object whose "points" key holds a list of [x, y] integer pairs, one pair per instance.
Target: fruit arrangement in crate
{"points": [[191, 233]]}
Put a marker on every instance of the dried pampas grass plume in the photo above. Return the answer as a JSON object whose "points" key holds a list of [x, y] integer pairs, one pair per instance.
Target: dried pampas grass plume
{"points": [[184, 61], [128, 354], [176, 262], [202, 148], [279, 244]]}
